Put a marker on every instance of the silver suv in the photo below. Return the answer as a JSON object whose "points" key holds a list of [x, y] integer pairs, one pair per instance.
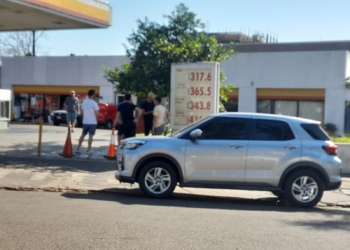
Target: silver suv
{"points": [[289, 156]]}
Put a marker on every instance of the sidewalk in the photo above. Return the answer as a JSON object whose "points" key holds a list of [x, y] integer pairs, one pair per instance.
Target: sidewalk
{"points": [[22, 140], [88, 176]]}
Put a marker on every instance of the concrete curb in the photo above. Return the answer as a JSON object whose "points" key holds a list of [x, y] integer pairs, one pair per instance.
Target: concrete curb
{"points": [[48, 157], [137, 192]]}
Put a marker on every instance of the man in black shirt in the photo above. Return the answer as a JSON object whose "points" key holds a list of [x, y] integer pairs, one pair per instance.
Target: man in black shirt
{"points": [[147, 109], [126, 111]]}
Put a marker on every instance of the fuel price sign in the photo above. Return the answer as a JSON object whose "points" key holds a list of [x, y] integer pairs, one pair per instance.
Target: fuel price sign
{"points": [[194, 92]]}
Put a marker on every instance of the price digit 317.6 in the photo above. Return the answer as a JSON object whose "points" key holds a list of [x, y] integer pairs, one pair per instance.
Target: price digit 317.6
{"points": [[199, 76]]}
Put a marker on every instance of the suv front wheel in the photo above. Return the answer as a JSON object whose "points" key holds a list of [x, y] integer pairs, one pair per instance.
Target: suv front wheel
{"points": [[304, 188], [157, 179]]}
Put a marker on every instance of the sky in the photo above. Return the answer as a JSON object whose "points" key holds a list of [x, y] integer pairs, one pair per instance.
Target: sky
{"points": [[288, 20]]}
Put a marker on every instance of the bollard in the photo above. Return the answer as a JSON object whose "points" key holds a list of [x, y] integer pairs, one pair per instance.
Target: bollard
{"points": [[40, 133]]}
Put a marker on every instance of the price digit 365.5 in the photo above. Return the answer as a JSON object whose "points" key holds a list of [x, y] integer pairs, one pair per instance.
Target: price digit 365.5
{"points": [[199, 91]]}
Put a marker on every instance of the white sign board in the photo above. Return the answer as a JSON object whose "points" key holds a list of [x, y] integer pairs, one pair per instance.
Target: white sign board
{"points": [[194, 92]]}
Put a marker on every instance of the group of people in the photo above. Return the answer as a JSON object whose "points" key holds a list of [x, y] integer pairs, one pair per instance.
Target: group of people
{"points": [[155, 116]]}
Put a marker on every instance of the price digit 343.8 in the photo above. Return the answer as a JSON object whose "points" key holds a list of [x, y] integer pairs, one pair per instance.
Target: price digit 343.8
{"points": [[199, 105]]}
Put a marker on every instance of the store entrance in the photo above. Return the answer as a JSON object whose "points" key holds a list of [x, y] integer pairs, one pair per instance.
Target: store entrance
{"points": [[62, 99]]}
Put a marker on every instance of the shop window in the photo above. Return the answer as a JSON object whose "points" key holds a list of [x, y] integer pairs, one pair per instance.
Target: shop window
{"points": [[231, 105], [4, 109], [51, 103], [311, 110], [306, 109], [265, 106], [347, 118], [286, 108]]}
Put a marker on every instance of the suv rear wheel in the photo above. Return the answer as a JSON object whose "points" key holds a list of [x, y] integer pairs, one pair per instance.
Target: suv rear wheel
{"points": [[304, 188], [157, 179]]}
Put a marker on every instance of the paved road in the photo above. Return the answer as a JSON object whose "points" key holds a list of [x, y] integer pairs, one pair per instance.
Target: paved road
{"points": [[43, 220]]}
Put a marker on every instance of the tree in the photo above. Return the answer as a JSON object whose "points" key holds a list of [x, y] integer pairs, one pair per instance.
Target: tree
{"points": [[20, 43], [154, 47]]}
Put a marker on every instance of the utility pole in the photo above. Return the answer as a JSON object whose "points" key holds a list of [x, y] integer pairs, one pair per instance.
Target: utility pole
{"points": [[33, 49]]}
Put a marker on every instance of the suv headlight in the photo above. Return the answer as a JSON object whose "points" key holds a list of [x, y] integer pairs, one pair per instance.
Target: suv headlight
{"points": [[134, 144]]}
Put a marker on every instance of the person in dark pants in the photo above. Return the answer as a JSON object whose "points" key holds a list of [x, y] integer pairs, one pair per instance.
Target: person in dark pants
{"points": [[126, 111], [118, 126], [147, 109]]}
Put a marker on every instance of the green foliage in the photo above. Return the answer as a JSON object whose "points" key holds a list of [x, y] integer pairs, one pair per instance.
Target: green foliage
{"points": [[154, 47], [330, 127]]}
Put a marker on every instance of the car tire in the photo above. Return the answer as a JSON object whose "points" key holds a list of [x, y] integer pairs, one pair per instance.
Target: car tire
{"points": [[56, 123], [108, 124], [304, 188], [156, 176]]}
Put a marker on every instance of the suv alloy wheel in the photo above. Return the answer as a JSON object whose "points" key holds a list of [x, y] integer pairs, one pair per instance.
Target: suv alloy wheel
{"points": [[157, 179], [304, 188]]}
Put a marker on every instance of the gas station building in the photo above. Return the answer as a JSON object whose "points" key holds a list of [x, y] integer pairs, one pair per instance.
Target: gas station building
{"points": [[41, 15]]}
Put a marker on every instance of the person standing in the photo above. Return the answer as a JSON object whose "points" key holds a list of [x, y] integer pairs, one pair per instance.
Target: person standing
{"points": [[147, 109], [126, 111], [160, 116], [118, 125], [72, 104], [90, 112]]}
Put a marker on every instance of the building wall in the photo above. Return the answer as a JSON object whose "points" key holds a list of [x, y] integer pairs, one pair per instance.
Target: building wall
{"points": [[248, 71], [306, 70], [75, 71]]}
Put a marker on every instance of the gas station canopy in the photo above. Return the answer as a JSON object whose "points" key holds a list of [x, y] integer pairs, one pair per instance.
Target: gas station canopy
{"points": [[22, 15]]}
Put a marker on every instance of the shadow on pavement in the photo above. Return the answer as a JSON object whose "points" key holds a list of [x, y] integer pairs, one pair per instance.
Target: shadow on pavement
{"points": [[56, 165], [51, 148], [31, 148], [336, 219]]}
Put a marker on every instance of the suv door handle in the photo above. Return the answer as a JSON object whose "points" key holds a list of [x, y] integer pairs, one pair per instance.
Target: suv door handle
{"points": [[236, 145], [291, 146]]}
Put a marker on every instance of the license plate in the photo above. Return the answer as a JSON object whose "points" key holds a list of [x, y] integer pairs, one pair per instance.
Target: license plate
{"points": [[58, 117]]}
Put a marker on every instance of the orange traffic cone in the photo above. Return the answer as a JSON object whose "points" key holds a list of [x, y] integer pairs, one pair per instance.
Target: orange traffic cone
{"points": [[112, 152], [68, 148]]}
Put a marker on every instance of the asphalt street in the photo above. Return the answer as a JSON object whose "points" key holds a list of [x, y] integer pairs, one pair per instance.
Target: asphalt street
{"points": [[44, 220]]}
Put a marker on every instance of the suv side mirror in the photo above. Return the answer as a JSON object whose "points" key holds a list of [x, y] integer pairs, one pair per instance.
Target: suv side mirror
{"points": [[196, 133]]}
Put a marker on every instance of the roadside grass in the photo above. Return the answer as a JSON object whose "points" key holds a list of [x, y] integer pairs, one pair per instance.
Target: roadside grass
{"points": [[343, 139]]}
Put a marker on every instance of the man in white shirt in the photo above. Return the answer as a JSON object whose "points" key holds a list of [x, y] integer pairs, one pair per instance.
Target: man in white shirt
{"points": [[160, 116], [90, 112]]}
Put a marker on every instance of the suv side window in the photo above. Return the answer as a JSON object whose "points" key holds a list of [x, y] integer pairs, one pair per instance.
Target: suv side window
{"points": [[270, 130], [225, 128]]}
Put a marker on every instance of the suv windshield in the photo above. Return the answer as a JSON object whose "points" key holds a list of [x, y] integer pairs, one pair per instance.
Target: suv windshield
{"points": [[188, 126], [315, 131]]}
